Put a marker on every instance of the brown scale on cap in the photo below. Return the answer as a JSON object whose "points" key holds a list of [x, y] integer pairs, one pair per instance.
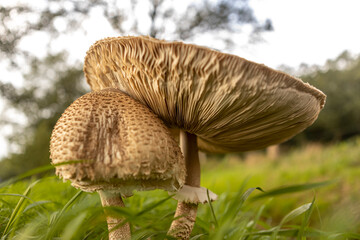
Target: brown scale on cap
{"points": [[230, 103], [123, 145]]}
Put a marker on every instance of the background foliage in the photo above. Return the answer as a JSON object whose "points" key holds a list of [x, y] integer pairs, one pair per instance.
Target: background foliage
{"points": [[340, 81]]}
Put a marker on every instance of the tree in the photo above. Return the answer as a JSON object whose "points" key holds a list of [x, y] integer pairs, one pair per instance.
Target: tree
{"points": [[339, 79], [52, 83], [42, 111]]}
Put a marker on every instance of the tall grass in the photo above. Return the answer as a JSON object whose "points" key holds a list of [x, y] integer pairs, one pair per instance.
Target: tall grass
{"points": [[71, 214], [47, 208]]}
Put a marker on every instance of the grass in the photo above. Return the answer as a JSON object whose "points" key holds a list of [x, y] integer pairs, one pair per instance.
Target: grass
{"points": [[309, 193], [339, 163]]}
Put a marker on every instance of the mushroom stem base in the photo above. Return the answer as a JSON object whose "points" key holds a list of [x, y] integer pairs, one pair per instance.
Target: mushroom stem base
{"points": [[181, 227], [117, 230]]}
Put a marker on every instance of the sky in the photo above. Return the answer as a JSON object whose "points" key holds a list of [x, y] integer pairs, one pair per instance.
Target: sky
{"points": [[305, 31]]}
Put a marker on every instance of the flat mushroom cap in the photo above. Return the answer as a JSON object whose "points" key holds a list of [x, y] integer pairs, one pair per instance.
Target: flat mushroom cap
{"points": [[230, 103], [123, 145]]}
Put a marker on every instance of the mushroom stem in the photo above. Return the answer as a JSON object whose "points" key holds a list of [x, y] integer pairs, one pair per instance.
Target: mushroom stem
{"points": [[185, 214], [116, 229], [189, 147]]}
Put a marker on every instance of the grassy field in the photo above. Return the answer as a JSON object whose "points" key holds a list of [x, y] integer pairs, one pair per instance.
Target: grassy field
{"points": [[309, 193], [339, 164]]}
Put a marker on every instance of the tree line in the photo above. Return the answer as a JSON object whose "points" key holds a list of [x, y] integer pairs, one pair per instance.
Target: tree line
{"points": [[339, 79]]}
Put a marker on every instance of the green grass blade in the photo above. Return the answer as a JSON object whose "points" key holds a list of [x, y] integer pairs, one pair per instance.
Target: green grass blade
{"points": [[246, 195], [15, 195], [36, 171], [141, 235], [15, 215], [306, 220], [290, 216], [351, 235], [226, 228], [128, 216], [212, 209], [197, 236], [237, 203], [296, 212], [153, 205], [70, 202], [36, 204], [29, 231], [256, 219], [72, 228], [293, 189], [26, 175], [310, 233], [4, 202], [204, 225], [119, 212], [67, 205], [56, 216]]}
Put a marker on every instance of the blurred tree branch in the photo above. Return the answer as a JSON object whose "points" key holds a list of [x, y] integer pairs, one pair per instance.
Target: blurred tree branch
{"points": [[18, 21]]}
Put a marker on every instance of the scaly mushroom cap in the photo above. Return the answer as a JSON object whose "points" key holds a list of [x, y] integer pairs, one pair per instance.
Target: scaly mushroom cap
{"points": [[123, 145], [230, 103]]}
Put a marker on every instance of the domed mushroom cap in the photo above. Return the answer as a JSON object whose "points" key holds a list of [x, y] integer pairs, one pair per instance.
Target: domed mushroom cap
{"points": [[120, 143], [230, 103]]}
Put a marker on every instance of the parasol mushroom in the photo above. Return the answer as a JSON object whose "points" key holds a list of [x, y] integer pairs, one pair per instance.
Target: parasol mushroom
{"points": [[220, 102], [123, 147]]}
